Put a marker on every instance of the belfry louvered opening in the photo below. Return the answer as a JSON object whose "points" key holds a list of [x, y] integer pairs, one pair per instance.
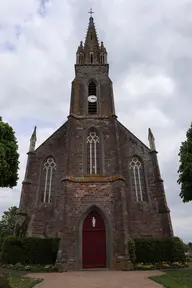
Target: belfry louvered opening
{"points": [[92, 91]]}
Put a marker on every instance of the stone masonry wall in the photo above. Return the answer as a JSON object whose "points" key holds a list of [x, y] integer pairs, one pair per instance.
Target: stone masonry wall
{"points": [[80, 198], [144, 219]]}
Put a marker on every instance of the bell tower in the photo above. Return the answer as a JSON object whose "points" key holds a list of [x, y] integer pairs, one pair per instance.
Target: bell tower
{"points": [[92, 91]]}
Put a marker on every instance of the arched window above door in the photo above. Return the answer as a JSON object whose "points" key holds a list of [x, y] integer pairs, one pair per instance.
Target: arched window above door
{"points": [[93, 143]]}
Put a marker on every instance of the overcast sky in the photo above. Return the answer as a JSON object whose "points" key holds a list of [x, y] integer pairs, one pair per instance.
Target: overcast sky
{"points": [[149, 46]]}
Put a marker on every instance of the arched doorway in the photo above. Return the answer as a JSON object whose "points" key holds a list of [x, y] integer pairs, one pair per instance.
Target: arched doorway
{"points": [[94, 241]]}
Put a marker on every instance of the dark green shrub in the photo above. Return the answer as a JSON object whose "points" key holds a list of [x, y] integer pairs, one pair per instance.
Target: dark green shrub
{"points": [[40, 251], [2, 238], [11, 250], [178, 250], [154, 250], [1, 241], [131, 248], [29, 250]]}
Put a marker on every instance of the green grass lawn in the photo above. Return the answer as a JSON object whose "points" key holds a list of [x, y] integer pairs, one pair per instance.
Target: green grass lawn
{"points": [[175, 279], [19, 281]]}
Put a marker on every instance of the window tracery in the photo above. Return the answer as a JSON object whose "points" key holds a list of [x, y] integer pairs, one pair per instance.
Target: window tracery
{"points": [[49, 167], [138, 179], [93, 153]]}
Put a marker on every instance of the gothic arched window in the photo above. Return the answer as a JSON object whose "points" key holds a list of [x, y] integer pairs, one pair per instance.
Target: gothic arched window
{"points": [[91, 57], [92, 101], [49, 168], [138, 179], [93, 153]]}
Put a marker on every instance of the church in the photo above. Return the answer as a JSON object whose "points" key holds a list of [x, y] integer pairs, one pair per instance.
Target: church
{"points": [[93, 183]]}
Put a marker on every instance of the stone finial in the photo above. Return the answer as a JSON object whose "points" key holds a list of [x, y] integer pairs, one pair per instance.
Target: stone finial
{"points": [[151, 140], [33, 140]]}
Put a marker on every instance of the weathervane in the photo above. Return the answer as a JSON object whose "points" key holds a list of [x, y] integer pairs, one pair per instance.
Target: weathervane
{"points": [[91, 12]]}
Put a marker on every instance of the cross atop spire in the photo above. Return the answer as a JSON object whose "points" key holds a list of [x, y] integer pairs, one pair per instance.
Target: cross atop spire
{"points": [[91, 12]]}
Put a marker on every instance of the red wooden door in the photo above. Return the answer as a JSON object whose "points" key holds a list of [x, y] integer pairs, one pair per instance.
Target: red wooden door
{"points": [[94, 241]]}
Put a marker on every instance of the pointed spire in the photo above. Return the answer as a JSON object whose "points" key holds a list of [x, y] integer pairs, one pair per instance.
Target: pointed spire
{"points": [[91, 39], [151, 140], [33, 140], [91, 53]]}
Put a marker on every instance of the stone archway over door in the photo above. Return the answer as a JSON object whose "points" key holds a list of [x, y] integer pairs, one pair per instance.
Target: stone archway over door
{"points": [[94, 241]]}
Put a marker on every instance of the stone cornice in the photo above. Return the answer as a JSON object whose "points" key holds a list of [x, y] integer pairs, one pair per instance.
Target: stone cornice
{"points": [[93, 117], [93, 178]]}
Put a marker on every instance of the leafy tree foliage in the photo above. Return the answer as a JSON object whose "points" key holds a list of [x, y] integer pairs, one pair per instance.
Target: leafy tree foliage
{"points": [[185, 168], [7, 223], [9, 157]]}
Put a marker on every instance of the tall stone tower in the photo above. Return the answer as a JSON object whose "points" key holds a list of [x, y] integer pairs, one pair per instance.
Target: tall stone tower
{"points": [[93, 183]]}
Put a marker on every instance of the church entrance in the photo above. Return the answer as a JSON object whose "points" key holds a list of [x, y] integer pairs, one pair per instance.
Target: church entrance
{"points": [[94, 241]]}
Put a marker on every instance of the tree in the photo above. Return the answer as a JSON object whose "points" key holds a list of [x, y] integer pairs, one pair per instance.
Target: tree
{"points": [[185, 168], [9, 157], [7, 223]]}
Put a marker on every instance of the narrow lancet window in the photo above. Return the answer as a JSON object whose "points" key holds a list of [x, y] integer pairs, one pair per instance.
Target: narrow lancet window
{"points": [[92, 88], [91, 57], [49, 168], [102, 58], [138, 179], [93, 153]]}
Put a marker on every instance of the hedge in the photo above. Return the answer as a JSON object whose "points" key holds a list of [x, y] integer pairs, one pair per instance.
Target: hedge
{"points": [[131, 248], [29, 250], [154, 250]]}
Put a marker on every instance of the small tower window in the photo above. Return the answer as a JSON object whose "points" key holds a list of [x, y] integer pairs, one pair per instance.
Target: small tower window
{"points": [[102, 58], [92, 88], [81, 58], [91, 57], [92, 98], [91, 36]]}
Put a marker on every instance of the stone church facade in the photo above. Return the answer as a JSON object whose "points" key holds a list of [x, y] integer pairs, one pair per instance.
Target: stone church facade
{"points": [[93, 183]]}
